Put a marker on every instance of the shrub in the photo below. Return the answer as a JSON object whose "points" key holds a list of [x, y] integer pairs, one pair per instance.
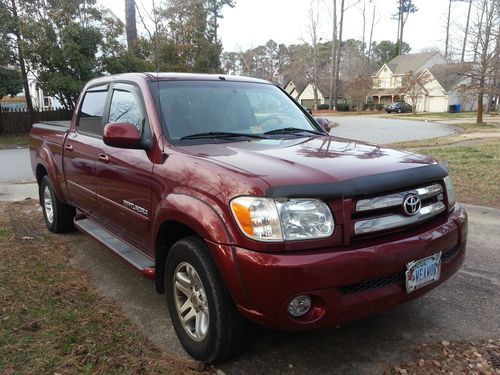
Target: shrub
{"points": [[323, 106], [343, 107], [379, 106]]}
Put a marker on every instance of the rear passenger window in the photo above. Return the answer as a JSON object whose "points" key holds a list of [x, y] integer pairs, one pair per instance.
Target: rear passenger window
{"points": [[90, 117]]}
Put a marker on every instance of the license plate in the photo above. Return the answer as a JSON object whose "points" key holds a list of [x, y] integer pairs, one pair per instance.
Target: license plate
{"points": [[422, 272]]}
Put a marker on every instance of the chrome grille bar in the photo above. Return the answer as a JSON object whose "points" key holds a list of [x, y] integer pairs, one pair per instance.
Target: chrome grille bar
{"points": [[396, 199], [393, 221]]}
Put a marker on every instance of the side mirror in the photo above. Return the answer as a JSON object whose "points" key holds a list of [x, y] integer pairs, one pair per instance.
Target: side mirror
{"points": [[122, 135], [325, 124]]}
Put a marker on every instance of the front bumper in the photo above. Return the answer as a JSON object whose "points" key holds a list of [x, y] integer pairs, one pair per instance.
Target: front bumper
{"points": [[343, 284]]}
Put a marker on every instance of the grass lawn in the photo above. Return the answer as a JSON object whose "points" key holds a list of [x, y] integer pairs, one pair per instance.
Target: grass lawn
{"points": [[52, 321], [443, 115], [13, 141], [475, 170]]}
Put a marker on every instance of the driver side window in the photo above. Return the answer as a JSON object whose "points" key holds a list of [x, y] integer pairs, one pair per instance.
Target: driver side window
{"points": [[125, 107]]}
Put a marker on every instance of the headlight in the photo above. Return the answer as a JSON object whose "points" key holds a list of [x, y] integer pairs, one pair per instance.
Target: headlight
{"points": [[450, 192], [267, 219]]}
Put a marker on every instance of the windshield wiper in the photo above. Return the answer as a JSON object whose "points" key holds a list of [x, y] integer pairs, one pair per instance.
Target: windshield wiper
{"points": [[292, 131], [222, 135]]}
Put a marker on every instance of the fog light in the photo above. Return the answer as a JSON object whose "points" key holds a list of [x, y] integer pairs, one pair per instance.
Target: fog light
{"points": [[299, 306]]}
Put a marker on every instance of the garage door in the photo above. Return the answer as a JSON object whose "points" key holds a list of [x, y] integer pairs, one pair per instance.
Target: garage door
{"points": [[308, 103], [437, 104]]}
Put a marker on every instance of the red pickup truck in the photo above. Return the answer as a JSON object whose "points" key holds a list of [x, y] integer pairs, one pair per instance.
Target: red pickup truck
{"points": [[242, 207]]}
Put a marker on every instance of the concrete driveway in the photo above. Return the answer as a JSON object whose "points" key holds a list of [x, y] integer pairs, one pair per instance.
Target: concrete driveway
{"points": [[464, 308], [383, 130]]}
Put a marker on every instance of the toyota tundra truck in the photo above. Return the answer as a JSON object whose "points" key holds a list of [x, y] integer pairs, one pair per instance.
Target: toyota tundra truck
{"points": [[242, 207]]}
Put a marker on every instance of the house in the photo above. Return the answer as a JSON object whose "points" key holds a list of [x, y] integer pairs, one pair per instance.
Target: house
{"points": [[294, 87], [306, 97], [388, 80], [443, 88]]}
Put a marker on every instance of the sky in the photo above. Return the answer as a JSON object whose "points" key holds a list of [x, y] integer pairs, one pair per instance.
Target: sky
{"points": [[253, 22]]}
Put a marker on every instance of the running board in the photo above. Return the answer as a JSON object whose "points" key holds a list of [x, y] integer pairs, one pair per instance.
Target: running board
{"points": [[121, 248]]}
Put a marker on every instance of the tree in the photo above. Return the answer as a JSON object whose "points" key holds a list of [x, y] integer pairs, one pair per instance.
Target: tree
{"points": [[130, 24], [405, 8], [333, 54], [12, 32], [10, 79], [356, 90], [486, 33], [413, 87], [385, 51]]}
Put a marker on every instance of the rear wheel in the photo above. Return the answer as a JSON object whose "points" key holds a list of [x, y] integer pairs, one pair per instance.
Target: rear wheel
{"points": [[399, 110], [58, 216], [203, 315]]}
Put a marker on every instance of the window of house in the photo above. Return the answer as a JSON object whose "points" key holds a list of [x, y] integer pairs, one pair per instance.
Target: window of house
{"points": [[90, 116]]}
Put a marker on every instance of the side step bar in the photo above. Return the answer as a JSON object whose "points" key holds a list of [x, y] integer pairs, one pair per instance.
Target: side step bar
{"points": [[121, 248]]}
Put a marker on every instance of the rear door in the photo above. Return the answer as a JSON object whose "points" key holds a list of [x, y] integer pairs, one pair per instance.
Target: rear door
{"points": [[82, 147], [124, 175]]}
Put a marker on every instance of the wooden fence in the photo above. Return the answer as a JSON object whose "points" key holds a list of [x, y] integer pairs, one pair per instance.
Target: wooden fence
{"points": [[20, 122]]}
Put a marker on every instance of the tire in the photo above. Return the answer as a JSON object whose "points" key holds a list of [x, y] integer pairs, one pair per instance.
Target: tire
{"points": [[58, 216], [222, 330], [399, 110]]}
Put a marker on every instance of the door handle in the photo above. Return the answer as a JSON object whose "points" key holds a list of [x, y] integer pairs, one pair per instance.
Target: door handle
{"points": [[68, 148], [104, 158]]}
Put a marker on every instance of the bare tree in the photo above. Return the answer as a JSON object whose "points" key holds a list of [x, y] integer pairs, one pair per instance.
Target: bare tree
{"points": [[333, 54], [466, 31], [405, 7], [339, 51], [413, 87], [356, 90], [486, 33], [313, 25]]}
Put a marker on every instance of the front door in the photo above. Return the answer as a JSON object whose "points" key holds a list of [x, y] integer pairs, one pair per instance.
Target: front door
{"points": [[124, 175]]}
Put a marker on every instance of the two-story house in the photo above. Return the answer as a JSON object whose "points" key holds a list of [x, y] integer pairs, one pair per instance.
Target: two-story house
{"points": [[388, 80]]}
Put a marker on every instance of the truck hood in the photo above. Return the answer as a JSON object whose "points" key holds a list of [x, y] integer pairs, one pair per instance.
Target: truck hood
{"points": [[308, 160]]}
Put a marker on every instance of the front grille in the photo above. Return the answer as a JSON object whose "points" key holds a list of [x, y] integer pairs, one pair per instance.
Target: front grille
{"points": [[397, 278], [382, 213]]}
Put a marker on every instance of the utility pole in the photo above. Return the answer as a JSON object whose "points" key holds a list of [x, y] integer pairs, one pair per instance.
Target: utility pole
{"points": [[130, 24]]}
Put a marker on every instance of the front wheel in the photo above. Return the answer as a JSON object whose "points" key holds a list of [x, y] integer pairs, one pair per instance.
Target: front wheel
{"points": [[202, 312], [58, 216]]}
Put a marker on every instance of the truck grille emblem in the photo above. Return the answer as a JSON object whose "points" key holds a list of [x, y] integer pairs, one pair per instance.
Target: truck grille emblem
{"points": [[411, 204]]}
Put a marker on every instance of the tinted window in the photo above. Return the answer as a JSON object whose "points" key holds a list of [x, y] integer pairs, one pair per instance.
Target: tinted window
{"points": [[192, 107], [90, 118], [125, 107]]}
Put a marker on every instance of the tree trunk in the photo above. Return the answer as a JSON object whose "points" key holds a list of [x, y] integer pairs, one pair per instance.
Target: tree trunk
{"points": [[401, 27], [339, 50], [466, 32], [130, 24], [447, 31], [22, 66], [479, 118], [371, 34], [334, 51]]}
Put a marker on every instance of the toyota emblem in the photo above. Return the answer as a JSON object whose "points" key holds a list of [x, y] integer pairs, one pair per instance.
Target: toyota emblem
{"points": [[411, 204]]}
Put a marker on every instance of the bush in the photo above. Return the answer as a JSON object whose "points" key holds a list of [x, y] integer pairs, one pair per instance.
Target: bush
{"points": [[323, 106], [379, 106], [343, 107]]}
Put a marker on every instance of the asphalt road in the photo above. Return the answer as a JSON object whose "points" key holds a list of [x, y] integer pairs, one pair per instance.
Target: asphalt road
{"points": [[464, 308], [15, 166]]}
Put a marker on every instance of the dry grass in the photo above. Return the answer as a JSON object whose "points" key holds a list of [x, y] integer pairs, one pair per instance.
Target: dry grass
{"points": [[13, 141], [51, 318], [475, 171]]}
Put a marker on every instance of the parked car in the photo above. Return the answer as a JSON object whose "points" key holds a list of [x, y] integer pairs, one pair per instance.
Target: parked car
{"points": [[398, 107], [241, 207]]}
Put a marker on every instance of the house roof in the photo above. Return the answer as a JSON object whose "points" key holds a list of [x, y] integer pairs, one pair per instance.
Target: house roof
{"points": [[413, 62], [449, 75]]}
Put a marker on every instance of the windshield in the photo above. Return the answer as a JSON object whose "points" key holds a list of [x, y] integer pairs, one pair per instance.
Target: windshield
{"points": [[193, 109]]}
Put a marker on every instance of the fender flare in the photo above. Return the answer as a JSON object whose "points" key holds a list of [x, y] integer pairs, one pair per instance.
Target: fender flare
{"points": [[195, 214], [46, 159]]}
